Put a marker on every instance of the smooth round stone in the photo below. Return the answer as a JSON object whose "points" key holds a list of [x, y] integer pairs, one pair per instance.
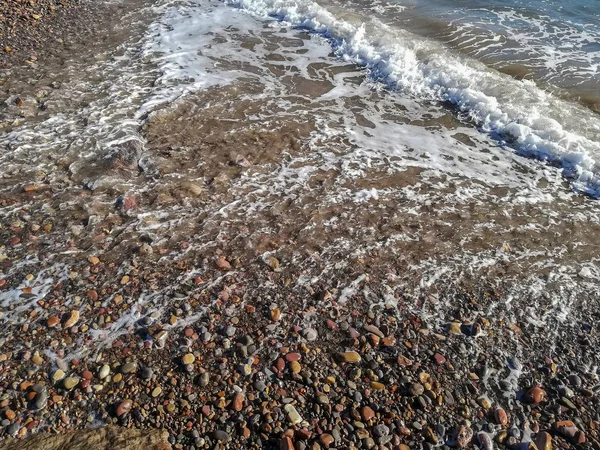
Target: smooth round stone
{"points": [[221, 435], [204, 379], [416, 389], [104, 371], [230, 331], [381, 430], [293, 415], [70, 382], [58, 375], [349, 357], [128, 367], [188, 358], [124, 407], [41, 400], [575, 380], [147, 373]]}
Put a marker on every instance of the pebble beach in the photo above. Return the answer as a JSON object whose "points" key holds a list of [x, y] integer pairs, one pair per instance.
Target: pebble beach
{"points": [[172, 277]]}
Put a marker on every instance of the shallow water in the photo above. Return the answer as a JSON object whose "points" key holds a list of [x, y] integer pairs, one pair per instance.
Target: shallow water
{"points": [[288, 129]]}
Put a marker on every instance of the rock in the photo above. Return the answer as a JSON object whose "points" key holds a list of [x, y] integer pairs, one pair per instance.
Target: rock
{"points": [[439, 359], [326, 439], [72, 319], [146, 373], [485, 441], [238, 402], [404, 361], [129, 367], [566, 428], [93, 260], [275, 314], [501, 417], [381, 430], [295, 367], [70, 382], [104, 371], [58, 375], [221, 435], [535, 395], [310, 334], [374, 330], [273, 263], [416, 389], [293, 415], [349, 357], [124, 407], [41, 400], [188, 358], [110, 437], [484, 401], [223, 264], [367, 413], [463, 436], [286, 443], [543, 441], [53, 321], [156, 391]]}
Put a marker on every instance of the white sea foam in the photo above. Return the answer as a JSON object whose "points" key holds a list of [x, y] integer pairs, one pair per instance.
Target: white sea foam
{"points": [[534, 122]]}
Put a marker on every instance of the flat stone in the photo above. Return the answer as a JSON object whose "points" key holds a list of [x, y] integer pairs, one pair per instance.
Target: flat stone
{"points": [[110, 437], [501, 417], [156, 391], [416, 389], [374, 330], [147, 373], [58, 375], [124, 407], [367, 413], [326, 439], [535, 395], [295, 367], [104, 371], [293, 415], [221, 435], [188, 358], [70, 382], [238, 402], [129, 367], [349, 357]]}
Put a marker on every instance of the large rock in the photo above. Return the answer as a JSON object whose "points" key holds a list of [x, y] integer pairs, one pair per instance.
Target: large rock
{"points": [[107, 438]]}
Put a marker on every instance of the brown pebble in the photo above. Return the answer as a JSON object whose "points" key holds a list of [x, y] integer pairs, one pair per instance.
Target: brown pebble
{"points": [[223, 264], [501, 417], [543, 441], [72, 319], [535, 395], [286, 444], [124, 407], [367, 413], [292, 357], [326, 440], [238, 402]]}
